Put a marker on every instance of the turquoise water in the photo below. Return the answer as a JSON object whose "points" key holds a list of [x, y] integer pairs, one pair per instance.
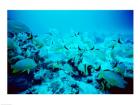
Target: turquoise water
{"points": [[70, 51], [86, 20]]}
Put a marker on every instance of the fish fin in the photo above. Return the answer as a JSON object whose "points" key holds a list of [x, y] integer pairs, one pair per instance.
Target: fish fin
{"points": [[85, 70], [119, 41], [14, 71], [100, 75], [103, 87], [28, 71], [108, 85]]}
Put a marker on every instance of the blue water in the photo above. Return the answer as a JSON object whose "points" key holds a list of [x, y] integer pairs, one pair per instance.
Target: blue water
{"points": [[82, 20], [70, 51]]}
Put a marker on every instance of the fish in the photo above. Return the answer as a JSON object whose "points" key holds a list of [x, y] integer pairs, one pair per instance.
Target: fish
{"points": [[92, 48], [114, 65], [66, 47], [119, 41], [113, 79], [24, 65], [99, 67], [30, 36], [17, 27], [79, 48]]}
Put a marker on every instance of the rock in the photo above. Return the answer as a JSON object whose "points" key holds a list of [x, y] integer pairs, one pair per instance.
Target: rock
{"points": [[67, 68], [43, 52], [40, 74], [11, 44], [85, 88], [82, 68], [18, 83], [128, 73]]}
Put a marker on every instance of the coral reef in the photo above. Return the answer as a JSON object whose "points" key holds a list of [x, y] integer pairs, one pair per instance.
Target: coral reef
{"points": [[75, 63]]}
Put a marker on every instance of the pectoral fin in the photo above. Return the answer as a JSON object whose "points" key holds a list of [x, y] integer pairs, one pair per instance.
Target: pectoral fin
{"points": [[28, 71], [14, 71]]}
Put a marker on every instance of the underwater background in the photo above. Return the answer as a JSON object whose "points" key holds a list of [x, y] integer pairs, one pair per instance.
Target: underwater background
{"points": [[70, 51]]}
